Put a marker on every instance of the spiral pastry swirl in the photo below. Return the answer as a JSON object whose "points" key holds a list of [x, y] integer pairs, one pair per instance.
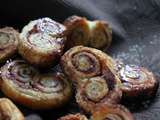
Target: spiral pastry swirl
{"points": [[8, 111], [43, 37], [74, 117], [111, 112], [24, 84], [81, 31], [96, 91], [93, 73], [8, 43], [137, 81], [83, 62]]}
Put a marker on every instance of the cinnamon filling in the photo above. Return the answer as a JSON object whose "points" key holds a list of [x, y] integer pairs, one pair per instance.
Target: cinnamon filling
{"points": [[50, 84], [86, 62], [96, 89], [21, 74]]}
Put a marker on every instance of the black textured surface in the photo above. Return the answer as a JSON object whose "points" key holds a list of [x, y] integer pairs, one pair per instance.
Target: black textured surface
{"points": [[136, 39]]}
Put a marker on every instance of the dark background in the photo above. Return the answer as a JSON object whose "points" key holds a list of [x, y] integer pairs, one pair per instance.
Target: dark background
{"points": [[136, 37]]}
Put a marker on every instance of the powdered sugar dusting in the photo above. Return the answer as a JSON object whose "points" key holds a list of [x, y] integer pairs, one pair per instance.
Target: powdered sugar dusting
{"points": [[132, 55]]}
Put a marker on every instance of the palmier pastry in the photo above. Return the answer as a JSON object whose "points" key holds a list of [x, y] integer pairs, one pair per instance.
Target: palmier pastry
{"points": [[111, 112], [8, 111], [137, 81], [82, 62], [8, 43], [92, 72], [41, 42], [25, 85], [81, 31], [97, 90], [73, 117]]}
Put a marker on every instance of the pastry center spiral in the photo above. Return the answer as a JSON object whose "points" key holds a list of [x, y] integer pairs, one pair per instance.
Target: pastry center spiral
{"points": [[44, 41], [86, 62], [113, 117], [96, 89], [50, 84], [44, 34], [130, 71], [23, 73], [4, 40], [20, 74]]}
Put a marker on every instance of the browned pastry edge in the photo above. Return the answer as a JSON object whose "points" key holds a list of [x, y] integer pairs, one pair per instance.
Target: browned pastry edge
{"points": [[106, 72], [11, 48], [73, 19], [81, 31], [32, 53], [103, 29], [88, 103], [144, 87], [109, 112], [73, 24], [8, 111], [32, 93], [74, 117], [76, 76]]}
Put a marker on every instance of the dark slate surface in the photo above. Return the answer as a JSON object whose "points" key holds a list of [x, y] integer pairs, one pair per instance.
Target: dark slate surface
{"points": [[136, 39]]}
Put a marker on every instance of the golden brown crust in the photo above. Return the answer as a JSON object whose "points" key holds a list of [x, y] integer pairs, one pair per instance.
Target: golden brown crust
{"points": [[8, 111], [81, 31], [101, 35], [100, 59], [23, 84], [77, 32], [8, 43], [74, 117], [40, 42], [96, 91], [137, 81], [91, 70], [111, 112]]}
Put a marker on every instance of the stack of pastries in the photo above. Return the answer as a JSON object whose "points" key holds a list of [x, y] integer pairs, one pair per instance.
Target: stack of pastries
{"points": [[99, 81]]}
